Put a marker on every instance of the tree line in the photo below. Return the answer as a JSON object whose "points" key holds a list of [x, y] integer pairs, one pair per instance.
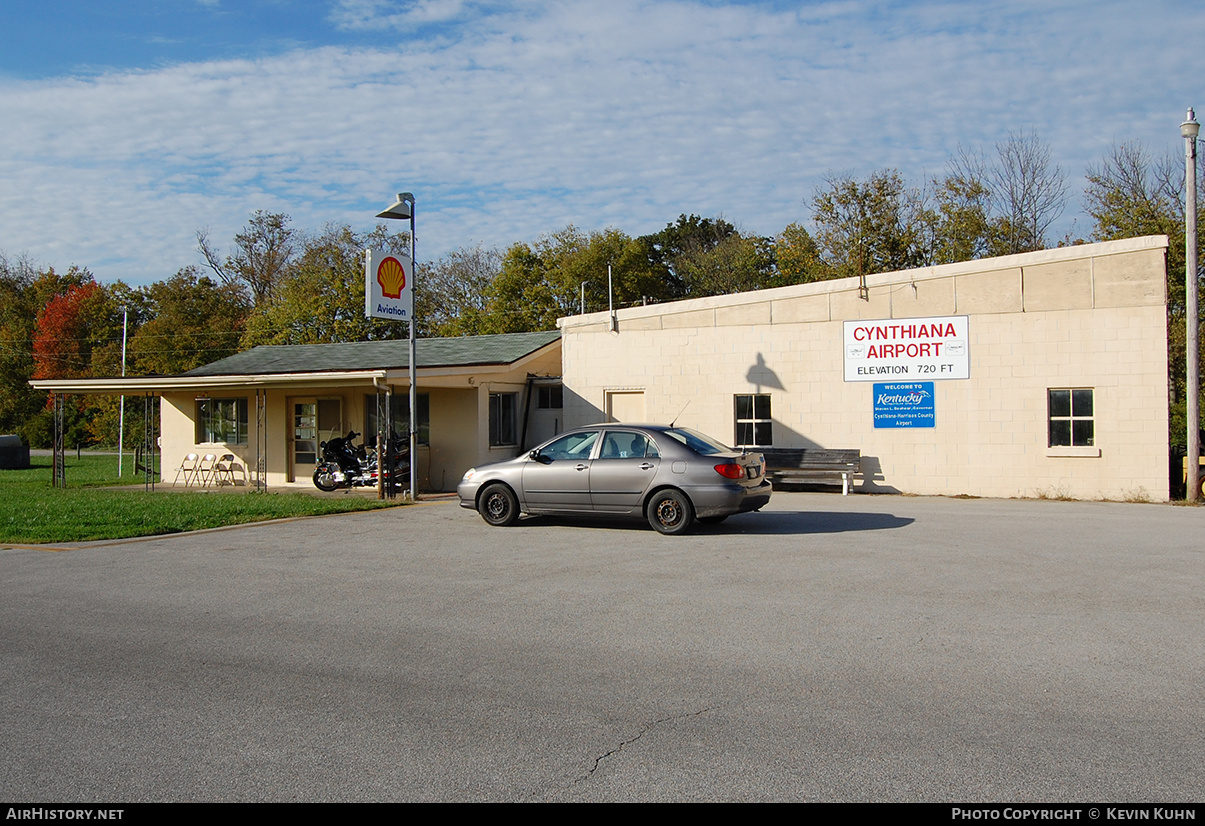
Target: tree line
{"points": [[279, 284]]}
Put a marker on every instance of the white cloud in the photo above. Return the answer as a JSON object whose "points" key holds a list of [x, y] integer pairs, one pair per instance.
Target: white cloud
{"points": [[516, 122], [369, 15]]}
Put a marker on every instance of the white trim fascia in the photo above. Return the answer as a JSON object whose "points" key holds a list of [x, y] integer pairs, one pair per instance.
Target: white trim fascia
{"points": [[150, 384]]}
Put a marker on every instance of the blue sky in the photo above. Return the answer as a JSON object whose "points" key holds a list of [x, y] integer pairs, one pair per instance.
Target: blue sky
{"points": [[128, 126]]}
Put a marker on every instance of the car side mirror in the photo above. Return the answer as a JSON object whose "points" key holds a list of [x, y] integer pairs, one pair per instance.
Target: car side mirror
{"points": [[541, 458]]}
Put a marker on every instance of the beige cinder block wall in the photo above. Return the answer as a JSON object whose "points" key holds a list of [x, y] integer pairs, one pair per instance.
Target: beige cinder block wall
{"points": [[1092, 316]]}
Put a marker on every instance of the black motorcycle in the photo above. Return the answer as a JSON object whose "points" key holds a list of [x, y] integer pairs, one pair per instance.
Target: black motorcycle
{"points": [[345, 464]]}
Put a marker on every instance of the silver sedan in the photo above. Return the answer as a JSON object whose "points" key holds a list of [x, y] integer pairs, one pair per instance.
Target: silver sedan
{"points": [[669, 475]]}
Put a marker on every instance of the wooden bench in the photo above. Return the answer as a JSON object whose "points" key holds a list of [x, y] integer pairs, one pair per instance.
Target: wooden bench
{"points": [[790, 464]]}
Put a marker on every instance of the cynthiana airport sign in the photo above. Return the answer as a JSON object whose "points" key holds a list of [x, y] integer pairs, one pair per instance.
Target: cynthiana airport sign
{"points": [[907, 349]]}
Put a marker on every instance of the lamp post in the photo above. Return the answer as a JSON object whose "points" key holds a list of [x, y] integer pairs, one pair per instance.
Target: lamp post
{"points": [[1189, 131], [401, 209]]}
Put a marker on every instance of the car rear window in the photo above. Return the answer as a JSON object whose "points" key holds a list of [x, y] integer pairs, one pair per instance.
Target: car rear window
{"points": [[697, 441]]}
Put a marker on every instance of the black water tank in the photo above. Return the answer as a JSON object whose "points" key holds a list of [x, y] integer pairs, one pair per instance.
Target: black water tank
{"points": [[14, 454]]}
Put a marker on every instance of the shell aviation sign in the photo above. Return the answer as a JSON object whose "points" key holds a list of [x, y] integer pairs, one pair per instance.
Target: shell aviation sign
{"points": [[388, 287]]}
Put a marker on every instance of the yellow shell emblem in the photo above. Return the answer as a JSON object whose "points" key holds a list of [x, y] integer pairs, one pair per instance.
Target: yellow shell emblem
{"points": [[391, 277]]}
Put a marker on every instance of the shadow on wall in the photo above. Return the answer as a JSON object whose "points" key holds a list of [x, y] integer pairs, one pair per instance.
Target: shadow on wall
{"points": [[764, 378], [872, 476], [577, 411]]}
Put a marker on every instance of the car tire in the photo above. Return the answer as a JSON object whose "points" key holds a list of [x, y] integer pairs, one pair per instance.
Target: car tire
{"points": [[498, 506], [670, 512], [324, 480], [713, 520]]}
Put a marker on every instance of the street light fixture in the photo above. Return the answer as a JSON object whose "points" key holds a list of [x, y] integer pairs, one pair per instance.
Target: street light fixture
{"points": [[1189, 131], [403, 209]]}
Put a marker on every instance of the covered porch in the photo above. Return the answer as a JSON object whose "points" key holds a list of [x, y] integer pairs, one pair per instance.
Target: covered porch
{"points": [[267, 410]]}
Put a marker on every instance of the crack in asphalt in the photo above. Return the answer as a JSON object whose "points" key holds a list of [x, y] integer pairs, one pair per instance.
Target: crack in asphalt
{"points": [[625, 743]]}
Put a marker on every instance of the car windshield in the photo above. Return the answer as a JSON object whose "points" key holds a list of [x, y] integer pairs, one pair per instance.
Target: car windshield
{"points": [[697, 441]]}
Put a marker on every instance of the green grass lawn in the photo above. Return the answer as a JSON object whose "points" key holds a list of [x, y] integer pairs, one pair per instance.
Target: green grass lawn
{"points": [[32, 512]]}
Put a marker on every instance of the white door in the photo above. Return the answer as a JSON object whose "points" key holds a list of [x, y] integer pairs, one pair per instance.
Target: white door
{"points": [[625, 405]]}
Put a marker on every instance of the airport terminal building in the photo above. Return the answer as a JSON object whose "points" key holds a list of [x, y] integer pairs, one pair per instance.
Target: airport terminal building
{"points": [[1040, 374]]}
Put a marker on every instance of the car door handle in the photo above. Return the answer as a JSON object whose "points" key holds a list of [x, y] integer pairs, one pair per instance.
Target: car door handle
{"points": [[580, 466], [647, 466]]}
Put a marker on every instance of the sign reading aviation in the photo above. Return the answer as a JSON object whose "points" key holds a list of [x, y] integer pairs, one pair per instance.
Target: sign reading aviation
{"points": [[388, 291], [904, 404], [907, 349]]}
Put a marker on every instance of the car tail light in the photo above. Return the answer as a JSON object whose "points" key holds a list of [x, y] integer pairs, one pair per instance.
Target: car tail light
{"points": [[730, 471]]}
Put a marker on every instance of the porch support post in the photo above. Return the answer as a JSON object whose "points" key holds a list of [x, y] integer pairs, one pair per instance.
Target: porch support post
{"points": [[261, 440], [150, 441], [59, 470]]}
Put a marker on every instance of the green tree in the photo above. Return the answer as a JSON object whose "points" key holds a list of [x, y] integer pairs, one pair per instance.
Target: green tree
{"points": [[521, 298], [797, 257], [870, 226], [1130, 193], [958, 226], [453, 292], [18, 311], [538, 283], [735, 264], [320, 298], [194, 321], [667, 251], [263, 253]]}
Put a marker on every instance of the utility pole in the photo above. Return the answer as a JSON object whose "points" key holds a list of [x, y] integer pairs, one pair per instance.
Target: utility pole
{"points": [[1189, 131]]}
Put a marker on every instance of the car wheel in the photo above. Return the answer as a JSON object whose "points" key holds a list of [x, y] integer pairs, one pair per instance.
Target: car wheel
{"points": [[670, 512], [713, 520], [324, 480], [498, 506]]}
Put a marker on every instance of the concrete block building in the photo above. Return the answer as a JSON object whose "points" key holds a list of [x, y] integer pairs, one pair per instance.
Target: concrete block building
{"points": [[1041, 374]]}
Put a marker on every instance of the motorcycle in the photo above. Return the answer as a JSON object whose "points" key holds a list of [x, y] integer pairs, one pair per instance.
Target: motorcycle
{"points": [[345, 465]]}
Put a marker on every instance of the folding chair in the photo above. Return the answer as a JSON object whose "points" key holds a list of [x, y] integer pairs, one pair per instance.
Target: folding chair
{"points": [[188, 468], [205, 469], [225, 469]]}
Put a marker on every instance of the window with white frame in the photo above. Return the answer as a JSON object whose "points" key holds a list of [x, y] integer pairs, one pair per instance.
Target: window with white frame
{"points": [[503, 409], [1070, 421], [222, 421], [754, 427]]}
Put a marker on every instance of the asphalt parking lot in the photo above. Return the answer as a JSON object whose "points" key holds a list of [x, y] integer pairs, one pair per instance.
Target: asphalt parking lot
{"points": [[830, 648]]}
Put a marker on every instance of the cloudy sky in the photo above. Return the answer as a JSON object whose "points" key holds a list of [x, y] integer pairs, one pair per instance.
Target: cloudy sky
{"points": [[130, 124]]}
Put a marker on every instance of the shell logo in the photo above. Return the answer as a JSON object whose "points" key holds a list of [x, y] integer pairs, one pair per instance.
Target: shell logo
{"points": [[392, 277]]}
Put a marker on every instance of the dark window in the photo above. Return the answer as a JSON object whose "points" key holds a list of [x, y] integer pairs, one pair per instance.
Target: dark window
{"points": [[754, 427], [400, 413], [222, 420], [502, 419], [1070, 418], [550, 397]]}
